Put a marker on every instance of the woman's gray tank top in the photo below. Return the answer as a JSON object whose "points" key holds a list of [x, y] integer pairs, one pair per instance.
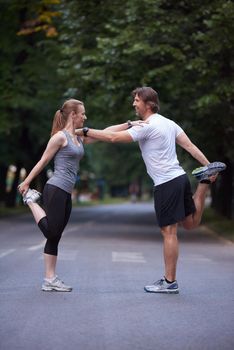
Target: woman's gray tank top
{"points": [[66, 164]]}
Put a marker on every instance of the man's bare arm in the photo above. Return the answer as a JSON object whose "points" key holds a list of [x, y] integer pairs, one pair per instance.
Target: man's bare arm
{"points": [[195, 152]]}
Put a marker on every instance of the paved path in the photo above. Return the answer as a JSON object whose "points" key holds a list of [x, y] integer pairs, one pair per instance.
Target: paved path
{"points": [[108, 254]]}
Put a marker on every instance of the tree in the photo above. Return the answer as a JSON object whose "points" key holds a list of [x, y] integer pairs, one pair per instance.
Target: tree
{"points": [[183, 49], [100, 52], [28, 93]]}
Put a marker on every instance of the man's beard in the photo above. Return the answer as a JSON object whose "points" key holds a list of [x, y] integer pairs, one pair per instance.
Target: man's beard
{"points": [[138, 114]]}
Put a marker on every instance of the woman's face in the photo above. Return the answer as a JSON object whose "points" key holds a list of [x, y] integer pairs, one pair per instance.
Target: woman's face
{"points": [[80, 117]]}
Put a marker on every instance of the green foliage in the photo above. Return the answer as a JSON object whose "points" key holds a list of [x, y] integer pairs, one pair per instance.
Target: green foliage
{"points": [[29, 87], [103, 50], [218, 224]]}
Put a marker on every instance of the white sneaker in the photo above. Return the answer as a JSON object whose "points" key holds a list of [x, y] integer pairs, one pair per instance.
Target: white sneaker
{"points": [[161, 286], [31, 196], [55, 285]]}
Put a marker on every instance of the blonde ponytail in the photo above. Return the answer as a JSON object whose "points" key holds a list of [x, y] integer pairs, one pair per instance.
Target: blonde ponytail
{"points": [[58, 123]]}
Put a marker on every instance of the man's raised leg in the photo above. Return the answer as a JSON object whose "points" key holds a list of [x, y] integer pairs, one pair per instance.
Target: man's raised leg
{"points": [[199, 198]]}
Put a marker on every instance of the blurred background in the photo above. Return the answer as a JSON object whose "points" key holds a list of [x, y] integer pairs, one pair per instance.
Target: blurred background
{"points": [[98, 52]]}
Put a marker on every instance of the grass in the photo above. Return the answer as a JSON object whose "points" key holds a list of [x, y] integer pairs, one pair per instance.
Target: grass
{"points": [[5, 212], [217, 223]]}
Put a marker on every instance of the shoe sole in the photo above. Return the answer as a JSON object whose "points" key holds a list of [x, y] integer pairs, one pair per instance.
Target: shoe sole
{"points": [[216, 167], [54, 289], [199, 171], [176, 291], [211, 169]]}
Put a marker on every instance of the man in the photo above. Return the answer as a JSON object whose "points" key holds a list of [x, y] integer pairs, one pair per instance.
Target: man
{"points": [[173, 198]]}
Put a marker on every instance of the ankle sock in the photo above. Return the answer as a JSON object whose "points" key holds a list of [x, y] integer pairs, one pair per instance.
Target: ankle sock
{"points": [[169, 281], [205, 182], [50, 279]]}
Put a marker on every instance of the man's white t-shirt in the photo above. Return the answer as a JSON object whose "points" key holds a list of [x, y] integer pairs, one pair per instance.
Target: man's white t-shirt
{"points": [[157, 141]]}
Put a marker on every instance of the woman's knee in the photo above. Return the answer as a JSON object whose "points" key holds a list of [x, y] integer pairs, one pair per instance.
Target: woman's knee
{"points": [[50, 231], [44, 227]]}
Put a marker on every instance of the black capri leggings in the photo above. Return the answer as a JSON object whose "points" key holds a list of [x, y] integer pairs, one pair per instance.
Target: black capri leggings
{"points": [[57, 205]]}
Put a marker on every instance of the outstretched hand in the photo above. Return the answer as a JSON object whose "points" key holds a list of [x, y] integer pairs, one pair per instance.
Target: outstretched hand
{"points": [[23, 188]]}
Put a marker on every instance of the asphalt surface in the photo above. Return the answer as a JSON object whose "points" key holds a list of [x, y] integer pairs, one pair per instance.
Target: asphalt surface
{"points": [[108, 254]]}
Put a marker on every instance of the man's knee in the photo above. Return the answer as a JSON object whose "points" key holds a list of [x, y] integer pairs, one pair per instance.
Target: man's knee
{"points": [[169, 230]]}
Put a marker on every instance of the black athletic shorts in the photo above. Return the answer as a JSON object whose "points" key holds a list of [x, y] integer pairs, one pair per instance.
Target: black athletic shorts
{"points": [[173, 201]]}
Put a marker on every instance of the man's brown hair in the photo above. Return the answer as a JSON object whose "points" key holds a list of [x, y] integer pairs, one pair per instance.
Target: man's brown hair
{"points": [[149, 96]]}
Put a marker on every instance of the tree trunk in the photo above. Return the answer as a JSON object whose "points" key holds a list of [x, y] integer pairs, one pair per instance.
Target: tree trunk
{"points": [[3, 173], [222, 192]]}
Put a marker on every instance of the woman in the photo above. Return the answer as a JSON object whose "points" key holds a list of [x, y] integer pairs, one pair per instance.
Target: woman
{"points": [[67, 150]]}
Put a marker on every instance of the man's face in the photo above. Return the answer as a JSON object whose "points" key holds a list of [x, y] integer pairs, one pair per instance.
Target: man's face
{"points": [[140, 106]]}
